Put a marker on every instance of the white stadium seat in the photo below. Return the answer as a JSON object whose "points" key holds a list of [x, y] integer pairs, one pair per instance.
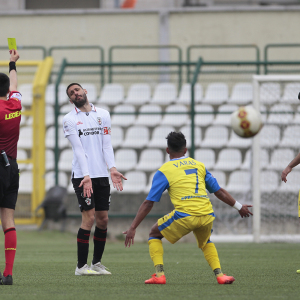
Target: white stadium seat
{"points": [[216, 93], [281, 114], [66, 108], [150, 159], [117, 136], [269, 136], [236, 141], [223, 116], [269, 181], [206, 115], [50, 138], [136, 137], [126, 119], [26, 92], [296, 119], [291, 137], [50, 160], [239, 182], [220, 176], [263, 113], [185, 94], [229, 160], [148, 186], [25, 140], [91, 91], [280, 158], [21, 155], [135, 183], [65, 160], [215, 137], [150, 119], [25, 183], [186, 130], [159, 135], [206, 156], [138, 94], [269, 93], [164, 94], [242, 93], [63, 180], [103, 106], [264, 160], [49, 115], [126, 159], [290, 93], [175, 119], [62, 95], [112, 94], [292, 184]]}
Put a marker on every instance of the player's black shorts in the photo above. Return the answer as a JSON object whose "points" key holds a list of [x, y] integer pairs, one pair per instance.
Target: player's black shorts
{"points": [[9, 184], [100, 198]]}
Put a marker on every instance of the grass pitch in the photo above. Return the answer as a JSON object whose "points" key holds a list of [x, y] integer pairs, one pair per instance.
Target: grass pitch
{"points": [[45, 265]]}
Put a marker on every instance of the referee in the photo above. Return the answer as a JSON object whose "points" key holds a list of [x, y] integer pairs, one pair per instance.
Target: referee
{"points": [[88, 129], [10, 117]]}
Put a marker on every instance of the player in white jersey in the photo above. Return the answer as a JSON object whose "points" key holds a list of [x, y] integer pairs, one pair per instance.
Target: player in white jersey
{"points": [[88, 129]]}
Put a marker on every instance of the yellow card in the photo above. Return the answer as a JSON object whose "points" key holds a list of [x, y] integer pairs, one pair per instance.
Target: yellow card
{"points": [[12, 44]]}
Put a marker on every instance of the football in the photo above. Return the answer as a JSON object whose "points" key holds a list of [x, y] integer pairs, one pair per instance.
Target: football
{"points": [[246, 121]]}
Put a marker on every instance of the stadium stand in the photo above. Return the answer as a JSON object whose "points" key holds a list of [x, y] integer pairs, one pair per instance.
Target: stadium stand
{"points": [[280, 158], [159, 136], [216, 93], [215, 137], [290, 93], [150, 160], [164, 94], [136, 137], [65, 160], [25, 140], [186, 130], [242, 93], [281, 114], [126, 159], [207, 156], [206, 117], [239, 182], [270, 93], [126, 119], [269, 136], [149, 120], [291, 137], [269, 181], [175, 119], [224, 114], [112, 94], [117, 136], [26, 92], [185, 94], [237, 142], [135, 183], [138, 94], [229, 160], [62, 95]]}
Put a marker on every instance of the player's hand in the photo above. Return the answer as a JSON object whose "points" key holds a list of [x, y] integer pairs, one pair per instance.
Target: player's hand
{"points": [[130, 233], [86, 182], [14, 55], [116, 178], [285, 172], [245, 212]]}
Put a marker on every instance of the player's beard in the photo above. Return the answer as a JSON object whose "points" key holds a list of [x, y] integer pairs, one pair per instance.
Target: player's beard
{"points": [[81, 101]]}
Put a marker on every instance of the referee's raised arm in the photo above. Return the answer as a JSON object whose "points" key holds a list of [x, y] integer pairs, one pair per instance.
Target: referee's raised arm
{"points": [[14, 56]]}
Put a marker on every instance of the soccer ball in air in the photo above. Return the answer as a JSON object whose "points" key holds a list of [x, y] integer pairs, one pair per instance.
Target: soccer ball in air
{"points": [[246, 121]]}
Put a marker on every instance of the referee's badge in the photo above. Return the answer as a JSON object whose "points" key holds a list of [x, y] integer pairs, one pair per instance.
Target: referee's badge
{"points": [[99, 121]]}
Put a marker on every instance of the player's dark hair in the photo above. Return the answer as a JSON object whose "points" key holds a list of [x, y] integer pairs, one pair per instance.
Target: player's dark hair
{"points": [[4, 84], [176, 141], [74, 83]]}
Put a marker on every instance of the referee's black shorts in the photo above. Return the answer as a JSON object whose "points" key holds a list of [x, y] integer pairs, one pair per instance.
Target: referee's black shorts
{"points": [[9, 184], [100, 198]]}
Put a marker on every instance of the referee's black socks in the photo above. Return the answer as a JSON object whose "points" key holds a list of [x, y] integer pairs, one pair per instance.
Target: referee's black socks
{"points": [[99, 244], [82, 247]]}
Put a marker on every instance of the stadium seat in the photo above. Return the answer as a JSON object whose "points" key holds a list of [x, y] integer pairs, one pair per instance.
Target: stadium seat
{"points": [[236, 141], [290, 93], [206, 156], [291, 137], [126, 119], [242, 93], [50, 160], [91, 91], [103, 106], [164, 94], [50, 138], [21, 155], [269, 93], [185, 94], [239, 182], [149, 120], [63, 180], [112, 94], [175, 119], [23, 118], [25, 140], [49, 115], [186, 130], [280, 158], [126, 159], [150, 159], [269, 136], [229, 160], [292, 184], [220, 176], [25, 183], [62, 95], [65, 160], [206, 115], [159, 135], [296, 119], [138, 94], [116, 136], [216, 93], [136, 137], [263, 113], [269, 181], [135, 183], [223, 115], [215, 137], [70, 188], [26, 92], [281, 114], [264, 160], [148, 186], [66, 108]]}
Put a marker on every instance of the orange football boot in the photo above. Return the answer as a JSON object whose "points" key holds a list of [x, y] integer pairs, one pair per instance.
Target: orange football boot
{"points": [[156, 280], [225, 279]]}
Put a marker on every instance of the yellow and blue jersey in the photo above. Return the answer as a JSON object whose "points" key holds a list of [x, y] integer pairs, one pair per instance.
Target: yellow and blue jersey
{"points": [[187, 181]]}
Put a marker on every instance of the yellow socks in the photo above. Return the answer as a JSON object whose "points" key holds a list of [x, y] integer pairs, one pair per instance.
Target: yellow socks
{"points": [[212, 257], [156, 253]]}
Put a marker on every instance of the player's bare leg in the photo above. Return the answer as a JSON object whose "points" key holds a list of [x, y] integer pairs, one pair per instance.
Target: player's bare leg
{"points": [[156, 252]]}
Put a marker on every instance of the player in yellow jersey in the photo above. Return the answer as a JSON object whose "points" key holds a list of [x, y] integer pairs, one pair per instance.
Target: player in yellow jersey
{"points": [[186, 180]]}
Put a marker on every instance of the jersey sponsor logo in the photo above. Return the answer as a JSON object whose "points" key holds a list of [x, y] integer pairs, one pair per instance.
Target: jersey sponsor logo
{"points": [[80, 132], [79, 122], [190, 197], [184, 163], [99, 120], [12, 115], [90, 131], [106, 130]]}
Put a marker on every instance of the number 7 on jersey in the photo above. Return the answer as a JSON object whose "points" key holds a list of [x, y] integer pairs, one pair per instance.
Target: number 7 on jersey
{"points": [[193, 171]]}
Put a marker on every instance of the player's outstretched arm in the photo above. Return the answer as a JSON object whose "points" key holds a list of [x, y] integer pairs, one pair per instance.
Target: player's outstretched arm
{"points": [[14, 56], [224, 196], [116, 178], [143, 211], [289, 168]]}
